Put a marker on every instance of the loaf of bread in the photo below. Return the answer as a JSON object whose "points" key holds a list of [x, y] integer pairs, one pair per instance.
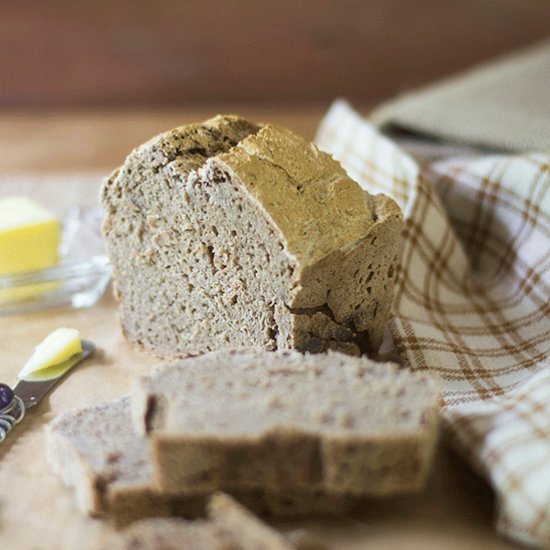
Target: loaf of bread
{"points": [[286, 421], [96, 451], [230, 527], [227, 234]]}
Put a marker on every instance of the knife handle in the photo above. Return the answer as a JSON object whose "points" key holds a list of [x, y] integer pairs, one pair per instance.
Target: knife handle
{"points": [[10, 416]]}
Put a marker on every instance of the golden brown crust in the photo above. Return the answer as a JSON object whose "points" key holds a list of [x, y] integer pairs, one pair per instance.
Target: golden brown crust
{"points": [[306, 193]]}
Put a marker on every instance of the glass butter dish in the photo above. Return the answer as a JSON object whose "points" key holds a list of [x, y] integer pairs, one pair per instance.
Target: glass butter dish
{"points": [[78, 280]]}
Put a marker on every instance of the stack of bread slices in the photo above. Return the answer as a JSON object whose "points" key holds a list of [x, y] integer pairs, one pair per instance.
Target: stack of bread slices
{"points": [[284, 433], [263, 275]]}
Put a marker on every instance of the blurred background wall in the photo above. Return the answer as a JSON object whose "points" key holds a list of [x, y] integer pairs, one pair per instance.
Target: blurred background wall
{"points": [[170, 52]]}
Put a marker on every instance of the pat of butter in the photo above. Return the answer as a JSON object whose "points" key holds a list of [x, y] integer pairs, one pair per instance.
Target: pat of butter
{"points": [[57, 348], [29, 236]]}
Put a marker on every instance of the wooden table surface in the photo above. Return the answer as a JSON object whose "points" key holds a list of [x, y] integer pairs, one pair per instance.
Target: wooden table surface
{"points": [[36, 511]]}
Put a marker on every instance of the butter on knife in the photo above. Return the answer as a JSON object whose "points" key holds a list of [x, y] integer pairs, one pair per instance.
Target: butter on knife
{"points": [[53, 358], [52, 353]]}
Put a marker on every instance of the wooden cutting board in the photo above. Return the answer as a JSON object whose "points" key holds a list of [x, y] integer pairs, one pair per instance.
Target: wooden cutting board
{"points": [[38, 512]]}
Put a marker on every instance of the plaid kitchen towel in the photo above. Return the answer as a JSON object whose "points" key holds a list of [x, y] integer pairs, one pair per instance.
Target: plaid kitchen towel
{"points": [[473, 302]]}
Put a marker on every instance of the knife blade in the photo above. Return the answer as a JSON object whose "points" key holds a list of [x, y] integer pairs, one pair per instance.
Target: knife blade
{"points": [[34, 387]]}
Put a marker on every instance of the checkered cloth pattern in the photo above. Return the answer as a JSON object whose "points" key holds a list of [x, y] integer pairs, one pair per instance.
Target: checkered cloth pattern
{"points": [[473, 302]]}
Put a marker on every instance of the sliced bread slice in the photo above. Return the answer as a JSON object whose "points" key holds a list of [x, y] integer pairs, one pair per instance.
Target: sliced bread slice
{"points": [[227, 234], [286, 421], [230, 527], [96, 451], [172, 534], [253, 533]]}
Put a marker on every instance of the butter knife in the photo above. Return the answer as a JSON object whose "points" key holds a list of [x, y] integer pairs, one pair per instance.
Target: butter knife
{"points": [[28, 392]]}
